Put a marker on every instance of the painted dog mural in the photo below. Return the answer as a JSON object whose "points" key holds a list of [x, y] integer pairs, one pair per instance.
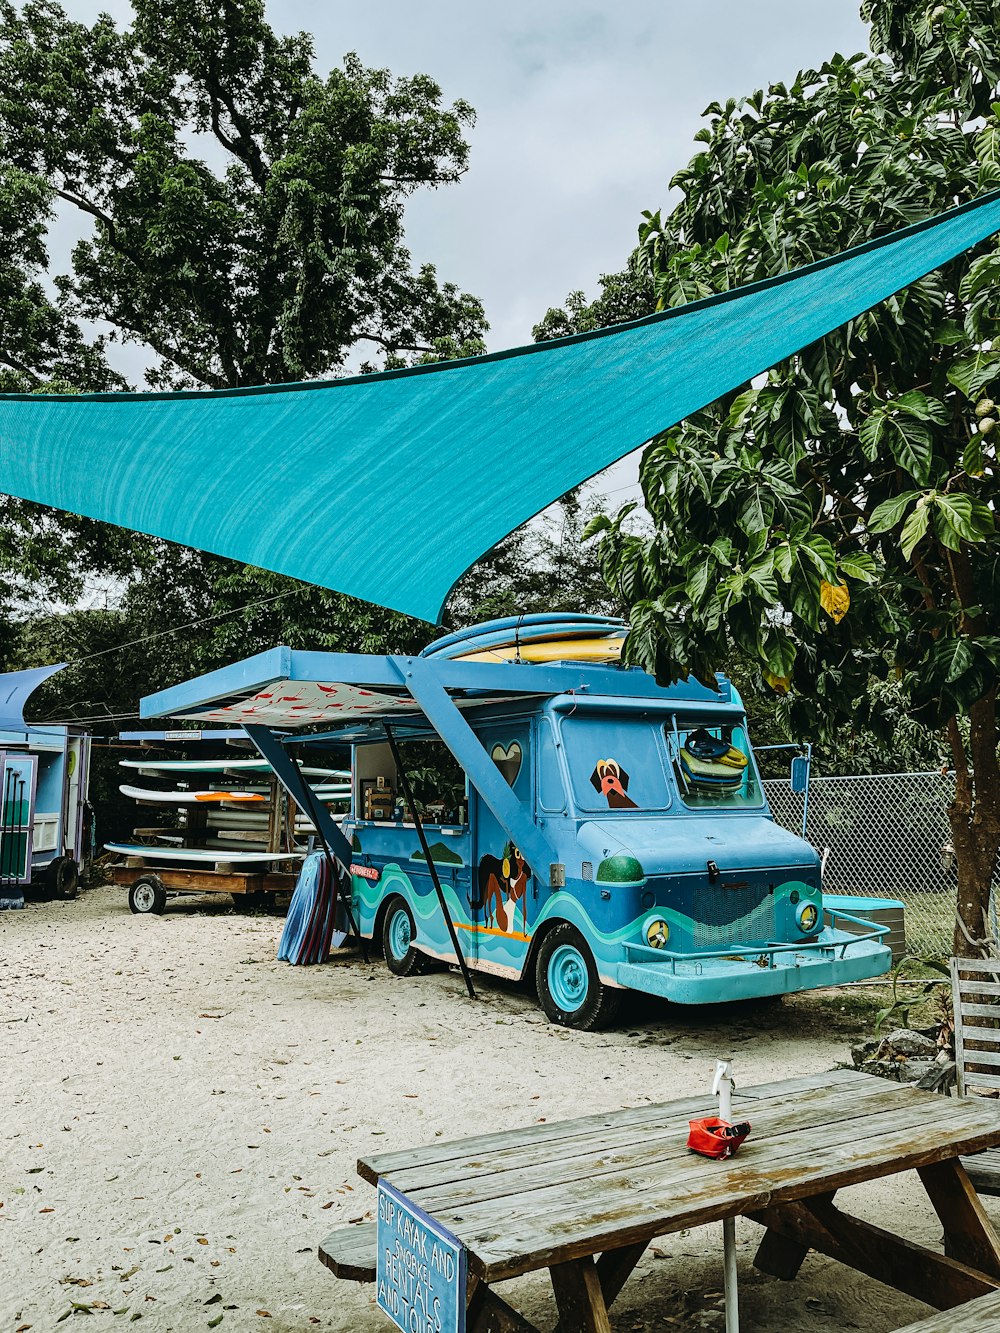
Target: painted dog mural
{"points": [[611, 780], [503, 883]]}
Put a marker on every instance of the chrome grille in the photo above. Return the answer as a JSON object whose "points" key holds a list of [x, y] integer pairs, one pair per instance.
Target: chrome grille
{"points": [[732, 916]]}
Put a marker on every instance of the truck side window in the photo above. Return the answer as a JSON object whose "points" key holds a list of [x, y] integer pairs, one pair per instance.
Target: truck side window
{"points": [[713, 765], [551, 793]]}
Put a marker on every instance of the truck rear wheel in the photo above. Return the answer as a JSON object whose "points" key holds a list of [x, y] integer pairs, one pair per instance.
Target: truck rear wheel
{"points": [[398, 933], [569, 989]]}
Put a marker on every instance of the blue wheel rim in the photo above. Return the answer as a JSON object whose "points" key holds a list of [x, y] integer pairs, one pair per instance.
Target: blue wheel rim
{"points": [[568, 978], [400, 934]]}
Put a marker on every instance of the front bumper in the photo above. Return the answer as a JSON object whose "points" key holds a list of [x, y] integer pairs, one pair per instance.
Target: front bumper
{"points": [[837, 956]]}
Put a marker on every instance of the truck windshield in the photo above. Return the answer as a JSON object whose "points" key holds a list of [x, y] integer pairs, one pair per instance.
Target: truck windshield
{"points": [[713, 765], [615, 764]]}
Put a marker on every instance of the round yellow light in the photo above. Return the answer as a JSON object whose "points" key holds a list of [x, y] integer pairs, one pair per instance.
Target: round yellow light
{"points": [[657, 934]]}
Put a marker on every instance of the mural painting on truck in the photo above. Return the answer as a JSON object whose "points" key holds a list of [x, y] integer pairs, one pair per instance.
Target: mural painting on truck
{"points": [[595, 832]]}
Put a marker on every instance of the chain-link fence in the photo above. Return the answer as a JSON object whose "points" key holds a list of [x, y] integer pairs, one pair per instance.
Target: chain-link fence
{"points": [[888, 836]]}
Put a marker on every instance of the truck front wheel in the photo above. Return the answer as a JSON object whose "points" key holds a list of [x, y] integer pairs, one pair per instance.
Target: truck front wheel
{"points": [[398, 933], [569, 988]]}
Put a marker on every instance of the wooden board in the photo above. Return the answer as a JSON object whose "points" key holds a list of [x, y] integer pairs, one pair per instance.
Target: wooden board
{"points": [[978, 1316], [206, 880], [526, 1199]]}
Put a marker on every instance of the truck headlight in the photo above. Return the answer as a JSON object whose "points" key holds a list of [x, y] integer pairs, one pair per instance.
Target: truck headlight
{"points": [[806, 917]]}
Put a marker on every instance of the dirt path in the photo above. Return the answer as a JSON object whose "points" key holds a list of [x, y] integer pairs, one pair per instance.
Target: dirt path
{"points": [[181, 1117]]}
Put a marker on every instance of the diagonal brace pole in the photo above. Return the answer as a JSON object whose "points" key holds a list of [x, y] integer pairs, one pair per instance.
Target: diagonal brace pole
{"points": [[407, 792]]}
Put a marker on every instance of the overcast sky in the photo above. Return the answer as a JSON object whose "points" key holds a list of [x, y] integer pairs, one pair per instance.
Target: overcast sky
{"points": [[585, 109]]}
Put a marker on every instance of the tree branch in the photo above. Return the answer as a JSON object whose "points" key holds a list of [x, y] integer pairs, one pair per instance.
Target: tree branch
{"points": [[391, 346], [7, 359]]}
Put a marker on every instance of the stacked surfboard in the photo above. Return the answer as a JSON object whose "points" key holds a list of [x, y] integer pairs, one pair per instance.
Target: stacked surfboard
{"points": [[539, 637], [219, 809], [710, 764]]}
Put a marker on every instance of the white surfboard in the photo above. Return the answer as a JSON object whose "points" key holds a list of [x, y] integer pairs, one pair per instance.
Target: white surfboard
{"points": [[199, 855], [149, 797], [153, 766]]}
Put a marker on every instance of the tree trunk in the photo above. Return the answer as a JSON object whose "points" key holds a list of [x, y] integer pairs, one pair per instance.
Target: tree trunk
{"points": [[974, 815]]}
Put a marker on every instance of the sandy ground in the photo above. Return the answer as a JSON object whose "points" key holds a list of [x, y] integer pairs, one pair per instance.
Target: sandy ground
{"points": [[182, 1115]]}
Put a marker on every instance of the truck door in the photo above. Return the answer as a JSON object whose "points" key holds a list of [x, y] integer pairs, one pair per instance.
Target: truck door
{"points": [[502, 883]]}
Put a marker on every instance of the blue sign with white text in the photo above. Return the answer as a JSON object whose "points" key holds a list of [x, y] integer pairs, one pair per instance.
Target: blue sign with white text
{"points": [[420, 1272]]}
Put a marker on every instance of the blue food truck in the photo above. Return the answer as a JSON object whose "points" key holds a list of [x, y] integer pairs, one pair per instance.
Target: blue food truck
{"points": [[526, 806]]}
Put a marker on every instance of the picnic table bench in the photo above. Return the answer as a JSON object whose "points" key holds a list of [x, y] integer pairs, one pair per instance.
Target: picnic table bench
{"points": [[584, 1198]]}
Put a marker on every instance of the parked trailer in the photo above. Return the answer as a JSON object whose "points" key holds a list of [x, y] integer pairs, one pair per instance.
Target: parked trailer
{"points": [[46, 821], [150, 887]]}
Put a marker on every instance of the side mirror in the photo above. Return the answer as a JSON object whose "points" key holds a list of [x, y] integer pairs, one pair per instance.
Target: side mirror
{"points": [[800, 774]]}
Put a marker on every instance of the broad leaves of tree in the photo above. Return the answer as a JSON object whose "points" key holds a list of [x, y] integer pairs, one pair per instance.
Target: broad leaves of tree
{"points": [[868, 461]]}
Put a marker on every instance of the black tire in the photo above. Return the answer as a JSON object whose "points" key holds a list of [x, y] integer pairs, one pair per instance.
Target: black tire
{"points": [[397, 930], [565, 972], [62, 878], [147, 895], [261, 901]]}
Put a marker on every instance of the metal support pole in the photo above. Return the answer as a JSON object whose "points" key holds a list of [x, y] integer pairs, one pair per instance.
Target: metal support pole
{"points": [[407, 792], [722, 1085], [805, 795]]}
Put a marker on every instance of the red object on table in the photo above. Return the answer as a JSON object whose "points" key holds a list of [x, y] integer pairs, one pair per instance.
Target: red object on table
{"points": [[716, 1138]]}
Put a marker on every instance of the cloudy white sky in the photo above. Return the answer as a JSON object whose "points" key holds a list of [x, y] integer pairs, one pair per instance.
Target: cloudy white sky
{"points": [[585, 109]]}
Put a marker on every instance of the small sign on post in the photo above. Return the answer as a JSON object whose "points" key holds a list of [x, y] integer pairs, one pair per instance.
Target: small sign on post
{"points": [[420, 1273]]}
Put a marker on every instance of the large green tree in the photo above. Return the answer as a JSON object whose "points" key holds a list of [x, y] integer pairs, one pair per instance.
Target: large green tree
{"points": [[244, 218], [835, 520], [247, 211]]}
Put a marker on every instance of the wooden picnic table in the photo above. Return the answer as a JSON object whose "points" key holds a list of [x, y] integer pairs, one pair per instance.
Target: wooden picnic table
{"points": [[558, 1195]]}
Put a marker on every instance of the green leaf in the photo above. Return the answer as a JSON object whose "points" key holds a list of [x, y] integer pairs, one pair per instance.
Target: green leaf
{"points": [[698, 579], [950, 659], [741, 408], [917, 404], [971, 374], [949, 333], [913, 449], [599, 523], [858, 565], [973, 460], [820, 551], [914, 529], [960, 518], [870, 434], [889, 514], [778, 651]]}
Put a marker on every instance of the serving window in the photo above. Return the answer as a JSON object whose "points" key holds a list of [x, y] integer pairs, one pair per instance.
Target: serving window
{"points": [[437, 780]]}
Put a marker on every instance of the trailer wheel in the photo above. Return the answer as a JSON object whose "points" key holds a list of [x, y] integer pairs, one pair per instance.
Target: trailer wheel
{"points": [[569, 989], [62, 878], [147, 894], [397, 935]]}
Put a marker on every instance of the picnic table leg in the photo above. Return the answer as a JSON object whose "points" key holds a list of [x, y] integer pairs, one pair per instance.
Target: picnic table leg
{"points": [[614, 1268], [489, 1313], [780, 1255], [579, 1297], [968, 1232]]}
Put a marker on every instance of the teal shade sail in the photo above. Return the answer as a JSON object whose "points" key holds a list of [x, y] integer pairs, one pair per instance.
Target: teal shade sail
{"points": [[388, 487]]}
